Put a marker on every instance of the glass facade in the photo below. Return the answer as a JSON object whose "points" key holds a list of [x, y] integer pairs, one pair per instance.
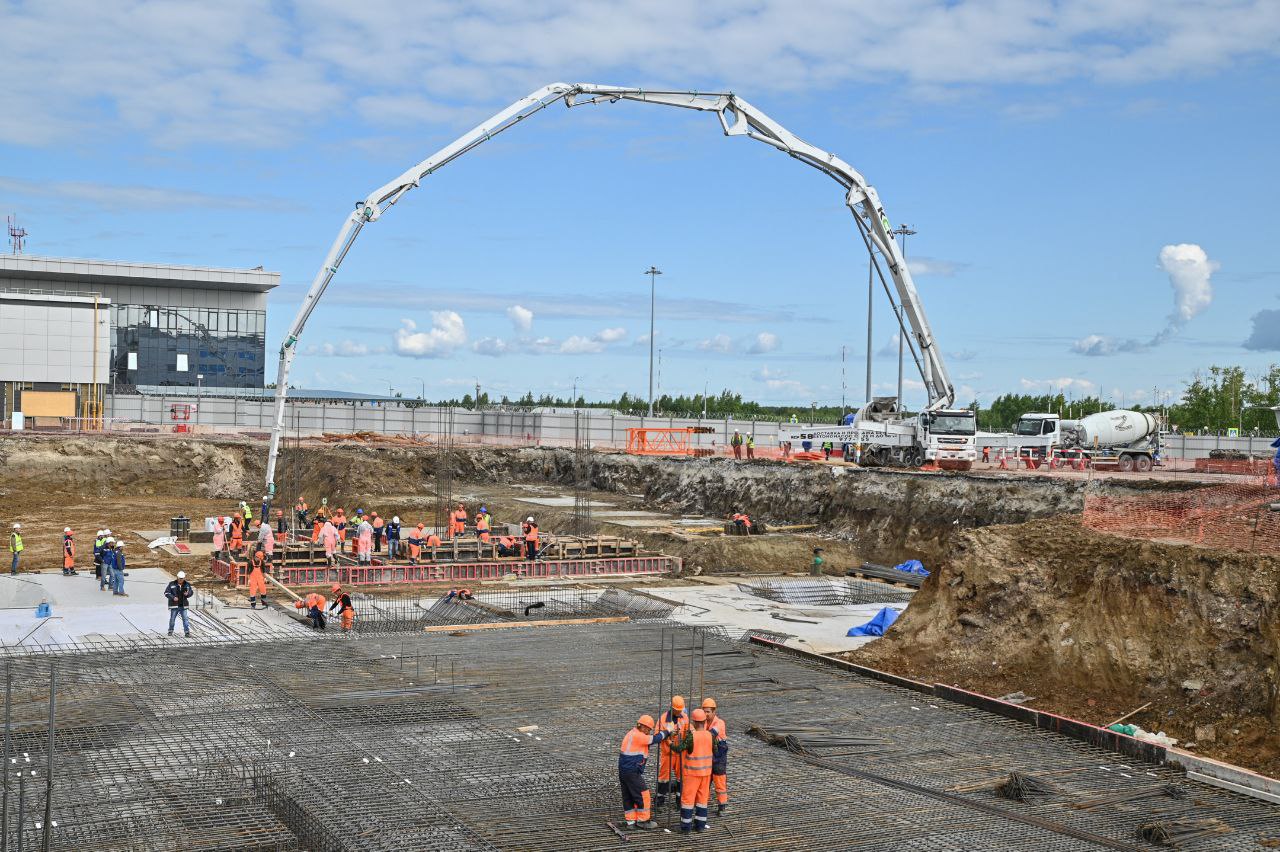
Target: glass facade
{"points": [[153, 345]]}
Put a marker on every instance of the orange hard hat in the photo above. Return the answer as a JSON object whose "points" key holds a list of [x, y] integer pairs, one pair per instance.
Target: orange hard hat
{"points": [[337, 587], [708, 704], [677, 701], [698, 715], [646, 721]]}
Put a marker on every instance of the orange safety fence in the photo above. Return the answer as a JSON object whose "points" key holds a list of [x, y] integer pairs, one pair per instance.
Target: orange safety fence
{"points": [[1235, 515], [651, 441]]}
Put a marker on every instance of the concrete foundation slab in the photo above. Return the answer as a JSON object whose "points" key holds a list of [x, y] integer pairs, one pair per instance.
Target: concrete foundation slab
{"points": [[558, 502]]}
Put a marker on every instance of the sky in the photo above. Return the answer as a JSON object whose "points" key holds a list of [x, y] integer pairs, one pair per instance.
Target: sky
{"points": [[1092, 184]]}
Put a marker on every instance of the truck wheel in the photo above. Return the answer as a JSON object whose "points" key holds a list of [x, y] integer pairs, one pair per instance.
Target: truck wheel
{"points": [[1126, 463], [1144, 464]]}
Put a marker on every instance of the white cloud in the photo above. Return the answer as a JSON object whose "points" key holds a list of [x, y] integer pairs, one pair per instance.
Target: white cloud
{"points": [[521, 317], [579, 345], [344, 349], [1190, 272], [1265, 336], [776, 380], [491, 346], [766, 341], [260, 73], [890, 348], [447, 333], [124, 197], [719, 343], [611, 335], [931, 266], [1082, 387]]}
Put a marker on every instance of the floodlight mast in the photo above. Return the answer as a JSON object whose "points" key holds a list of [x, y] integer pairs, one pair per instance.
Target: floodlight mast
{"points": [[737, 118]]}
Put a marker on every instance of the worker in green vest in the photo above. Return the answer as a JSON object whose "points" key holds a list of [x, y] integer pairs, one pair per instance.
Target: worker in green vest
{"points": [[751, 446], [816, 570], [16, 546]]}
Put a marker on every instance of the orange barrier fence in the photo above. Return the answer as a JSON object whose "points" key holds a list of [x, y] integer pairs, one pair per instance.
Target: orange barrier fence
{"points": [[667, 442], [1235, 515]]}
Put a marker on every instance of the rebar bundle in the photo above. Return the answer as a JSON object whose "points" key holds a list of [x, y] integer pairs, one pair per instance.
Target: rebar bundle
{"points": [[826, 592], [1022, 787], [1178, 831]]}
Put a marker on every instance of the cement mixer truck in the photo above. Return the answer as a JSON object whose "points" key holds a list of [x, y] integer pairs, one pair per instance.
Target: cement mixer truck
{"points": [[1119, 439]]}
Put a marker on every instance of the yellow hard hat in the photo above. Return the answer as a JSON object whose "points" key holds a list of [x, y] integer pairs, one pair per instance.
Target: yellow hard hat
{"points": [[677, 701], [645, 721]]}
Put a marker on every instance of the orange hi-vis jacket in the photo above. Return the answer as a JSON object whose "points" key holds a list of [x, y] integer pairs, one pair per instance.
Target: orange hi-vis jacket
{"points": [[697, 763]]}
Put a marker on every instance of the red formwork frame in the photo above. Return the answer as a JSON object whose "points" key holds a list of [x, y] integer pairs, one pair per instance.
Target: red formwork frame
{"points": [[236, 573]]}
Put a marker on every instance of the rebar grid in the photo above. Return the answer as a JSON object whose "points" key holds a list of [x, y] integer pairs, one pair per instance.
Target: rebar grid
{"points": [[825, 592], [376, 614], [415, 741]]}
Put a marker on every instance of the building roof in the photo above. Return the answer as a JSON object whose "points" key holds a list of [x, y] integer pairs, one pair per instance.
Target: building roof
{"points": [[72, 270], [300, 394]]}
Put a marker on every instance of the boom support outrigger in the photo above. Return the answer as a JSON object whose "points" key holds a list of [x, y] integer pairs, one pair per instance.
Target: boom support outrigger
{"points": [[737, 118]]}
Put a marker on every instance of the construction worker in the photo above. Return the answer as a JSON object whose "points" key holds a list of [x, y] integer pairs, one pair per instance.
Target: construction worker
{"points": [[457, 522], [246, 511], [98, 539], [633, 754], [258, 578], [117, 572], [483, 524], [698, 750], [340, 524], [108, 560], [179, 594], [68, 553], [736, 443], [393, 538], [751, 446], [342, 602], [432, 541], [364, 542], [313, 605], [317, 523], [329, 537], [530, 539], [460, 594], [16, 547], [827, 447], [237, 533], [378, 524], [300, 513], [282, 528], [265, 539], [669, 760], [816, 569], [415, 544], [720, 755], [508, 546]]}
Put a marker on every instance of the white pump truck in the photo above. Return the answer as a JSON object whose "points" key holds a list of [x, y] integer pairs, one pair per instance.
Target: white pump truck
{"points": [[737, 117]]}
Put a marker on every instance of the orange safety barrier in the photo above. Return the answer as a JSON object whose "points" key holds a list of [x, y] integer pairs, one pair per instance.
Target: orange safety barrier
{"points": [[666, 442], [1233, 516], [236, 574]]}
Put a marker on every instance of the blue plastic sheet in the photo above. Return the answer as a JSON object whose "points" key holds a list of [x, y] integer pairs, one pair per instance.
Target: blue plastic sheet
{"points": [[912, 566], [876, 626]]}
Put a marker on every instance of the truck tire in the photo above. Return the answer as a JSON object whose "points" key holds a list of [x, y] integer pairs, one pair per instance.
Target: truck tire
{"points": [[1126, 463], [1143, 464]]}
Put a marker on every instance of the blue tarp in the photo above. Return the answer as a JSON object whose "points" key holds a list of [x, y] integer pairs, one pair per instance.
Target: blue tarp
{"points": [[876, 626], [912, 566], [1276, 443]]}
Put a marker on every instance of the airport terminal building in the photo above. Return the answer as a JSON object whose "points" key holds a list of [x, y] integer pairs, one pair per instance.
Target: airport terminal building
{"points": [[70, 330]]}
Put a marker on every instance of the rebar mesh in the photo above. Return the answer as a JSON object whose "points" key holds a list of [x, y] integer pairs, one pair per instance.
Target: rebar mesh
{"points": [[824, 592]]}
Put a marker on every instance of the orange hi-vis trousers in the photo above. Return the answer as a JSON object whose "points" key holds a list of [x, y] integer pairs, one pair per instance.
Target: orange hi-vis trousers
{"points": [[721, 783], [257, 583]]}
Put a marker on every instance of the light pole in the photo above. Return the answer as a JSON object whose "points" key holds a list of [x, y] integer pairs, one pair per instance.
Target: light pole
{"points": [[423, 395], [574, 400], [653, 272], [199, 379], [901, 232]]}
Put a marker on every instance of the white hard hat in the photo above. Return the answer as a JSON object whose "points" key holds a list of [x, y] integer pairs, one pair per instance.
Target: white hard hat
{"points": [[396, 519], [107, 531], [17, 526], [530, 519], [99, 532], [110, 540], [182, 575], [66, 529]]}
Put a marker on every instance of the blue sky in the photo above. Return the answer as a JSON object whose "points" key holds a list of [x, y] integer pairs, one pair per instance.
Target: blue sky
{"points": [[1047, 154]]}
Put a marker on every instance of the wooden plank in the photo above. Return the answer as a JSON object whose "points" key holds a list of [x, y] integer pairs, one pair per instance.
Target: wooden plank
{"points": [[455, 628]]}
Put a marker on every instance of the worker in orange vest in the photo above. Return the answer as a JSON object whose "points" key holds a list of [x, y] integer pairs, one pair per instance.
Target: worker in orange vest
{"points": [[68, 552], [720, 757], [530, 539], [698, 750], [313, 604], [237, 532], [457, 522], [508, 546], [258, 579], [415, 544], [632, 756], [669, 760], [377, 523], [340, 524], [342, 602], [432, 540], [482, 524]]}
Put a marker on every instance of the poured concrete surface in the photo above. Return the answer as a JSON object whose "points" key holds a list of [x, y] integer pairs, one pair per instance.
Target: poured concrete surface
{"points": [[723, 603], [559, 502], [81, 613]]}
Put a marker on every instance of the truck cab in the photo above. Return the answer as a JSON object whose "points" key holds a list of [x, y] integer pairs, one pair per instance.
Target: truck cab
{"points": [[1034, 425], [949, 438]]}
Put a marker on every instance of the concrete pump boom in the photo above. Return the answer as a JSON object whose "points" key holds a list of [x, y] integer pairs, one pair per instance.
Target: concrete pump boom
{"points": [[737, 118]]}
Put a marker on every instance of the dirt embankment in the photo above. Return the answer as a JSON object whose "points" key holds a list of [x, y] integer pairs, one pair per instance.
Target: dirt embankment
{"points": [[1094, 626]]}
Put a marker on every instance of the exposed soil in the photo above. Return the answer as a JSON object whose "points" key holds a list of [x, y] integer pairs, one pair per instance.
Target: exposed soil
{"points": [[1094, 626]]}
